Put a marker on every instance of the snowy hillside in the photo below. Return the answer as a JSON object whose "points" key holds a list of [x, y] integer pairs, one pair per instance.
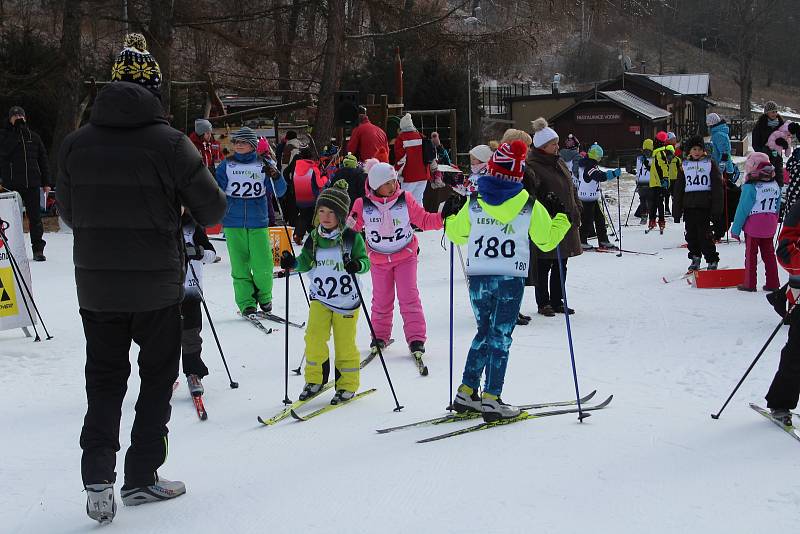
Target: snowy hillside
{"points": [[654, 461]]}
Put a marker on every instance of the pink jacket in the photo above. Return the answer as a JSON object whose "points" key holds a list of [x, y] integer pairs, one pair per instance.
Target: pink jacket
{"points": [[416, 214]]}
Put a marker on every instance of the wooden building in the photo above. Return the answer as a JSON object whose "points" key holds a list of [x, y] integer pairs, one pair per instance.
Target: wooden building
{"points": [[617, 120]]}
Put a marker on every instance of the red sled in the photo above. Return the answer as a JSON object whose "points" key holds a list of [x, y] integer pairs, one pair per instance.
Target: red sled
{"points": [[718, 279]]}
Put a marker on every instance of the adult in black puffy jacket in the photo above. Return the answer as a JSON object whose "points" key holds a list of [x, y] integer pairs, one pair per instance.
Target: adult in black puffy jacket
{"points": [[122, 181], [23, 168], [767, 123]]}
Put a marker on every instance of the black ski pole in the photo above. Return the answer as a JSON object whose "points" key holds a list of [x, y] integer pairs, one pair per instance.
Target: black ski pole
{"points": [[21, 283], [758, 356], [619, 216], [608, 214], [286, 399], [354, 277], [581, 414], [633, 198], [233, 384]]}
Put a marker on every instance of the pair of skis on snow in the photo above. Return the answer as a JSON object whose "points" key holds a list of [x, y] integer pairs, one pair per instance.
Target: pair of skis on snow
{"points": [[256, 319], [793, 430], [524, 416]]}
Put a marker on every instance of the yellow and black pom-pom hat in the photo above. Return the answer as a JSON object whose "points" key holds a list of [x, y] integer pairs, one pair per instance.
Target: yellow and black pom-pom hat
{"points": [[136, 65]]}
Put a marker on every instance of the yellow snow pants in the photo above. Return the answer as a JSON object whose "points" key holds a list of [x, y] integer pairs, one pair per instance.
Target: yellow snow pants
{"points": [[318, 332]]}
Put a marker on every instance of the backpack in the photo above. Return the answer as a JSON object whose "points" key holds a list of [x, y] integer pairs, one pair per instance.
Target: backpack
{"points": [[428, 151]]}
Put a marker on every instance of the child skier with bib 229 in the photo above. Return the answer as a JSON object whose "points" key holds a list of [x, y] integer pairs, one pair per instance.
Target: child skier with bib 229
{"points": [[332, 255], [386, 214], [247, 180], [496, 225]]}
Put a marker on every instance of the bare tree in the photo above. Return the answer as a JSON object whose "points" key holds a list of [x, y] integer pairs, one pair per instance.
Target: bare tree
{"points": [[71, 84], [331, 72]]}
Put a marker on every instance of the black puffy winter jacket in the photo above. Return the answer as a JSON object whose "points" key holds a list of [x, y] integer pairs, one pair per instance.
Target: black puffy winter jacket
{"points": [[23, 158], [122, 180]]}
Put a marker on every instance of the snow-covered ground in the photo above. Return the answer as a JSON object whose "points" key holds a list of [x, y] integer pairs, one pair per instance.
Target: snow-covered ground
{"points": [[654, 461]]}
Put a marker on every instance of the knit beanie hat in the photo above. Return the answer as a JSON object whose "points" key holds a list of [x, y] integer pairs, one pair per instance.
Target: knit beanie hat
{"points": [[671, 137], [595, 152], [406, 124], [201, 126], [245, 134], [694, 141], [508, 162], [379, 174], [542, 134], [349, 161], [512, 134], [336, 199], [481, 152], [16, 110], [263, 147], [661, 137], [712, 119], [770, 105], [136, 65], [647, 144], [758, 164]]}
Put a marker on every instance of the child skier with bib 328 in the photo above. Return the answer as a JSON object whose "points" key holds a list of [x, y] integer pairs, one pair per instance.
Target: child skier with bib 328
{"points": [[386, 214], [757, 214], [199, 252], [332, 255], [698, 198], [246, 180], [589, 178], [496, 224]]}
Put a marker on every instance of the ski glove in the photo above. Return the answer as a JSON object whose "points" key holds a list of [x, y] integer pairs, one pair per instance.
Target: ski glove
{"points": [[553, 205], [613, 173], [352, 266], [288, 261], [194, 252], [452, 205]]}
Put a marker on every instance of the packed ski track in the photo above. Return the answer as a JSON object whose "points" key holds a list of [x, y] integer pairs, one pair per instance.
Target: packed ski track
{"points": [[653, 461]]}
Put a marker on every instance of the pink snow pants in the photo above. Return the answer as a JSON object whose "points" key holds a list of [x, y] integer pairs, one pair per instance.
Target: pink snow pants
{"points": [[403, 275], [752, 245]]}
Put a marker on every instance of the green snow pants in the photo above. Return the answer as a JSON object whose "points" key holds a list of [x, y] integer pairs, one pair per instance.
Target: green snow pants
{"points": [[251, 265]]}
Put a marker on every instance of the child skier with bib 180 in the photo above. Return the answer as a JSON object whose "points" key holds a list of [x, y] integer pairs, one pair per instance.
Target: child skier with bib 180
{"points": [[332, 255], [246, 180], [496, 225], [698, 198], [386, 214], [757, 214], [199, 252], [589, 178]]}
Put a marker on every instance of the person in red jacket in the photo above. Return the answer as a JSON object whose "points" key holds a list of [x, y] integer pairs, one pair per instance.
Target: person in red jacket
{"points": [[203, 139], [410, 165], [366, 138]]}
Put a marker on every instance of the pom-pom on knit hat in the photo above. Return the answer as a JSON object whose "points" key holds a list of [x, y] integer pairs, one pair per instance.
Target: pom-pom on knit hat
{"points": [[542, 134], [508, 161], [136, 65], [336, 199]]}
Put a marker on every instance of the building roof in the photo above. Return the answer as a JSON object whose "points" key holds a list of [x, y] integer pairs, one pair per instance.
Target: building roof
{"points": [[636, 104], [684, 84]]}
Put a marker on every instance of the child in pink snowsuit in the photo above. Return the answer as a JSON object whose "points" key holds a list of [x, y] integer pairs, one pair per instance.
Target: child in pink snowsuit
{"points": [[757, 214], [386, 214]]}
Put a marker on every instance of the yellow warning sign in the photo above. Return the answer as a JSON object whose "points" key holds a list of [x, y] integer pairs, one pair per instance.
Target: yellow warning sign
{"points": [[8, 297]]}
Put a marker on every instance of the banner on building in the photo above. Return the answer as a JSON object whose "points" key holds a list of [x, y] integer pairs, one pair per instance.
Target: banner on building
{"points": [[13, 313]]}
